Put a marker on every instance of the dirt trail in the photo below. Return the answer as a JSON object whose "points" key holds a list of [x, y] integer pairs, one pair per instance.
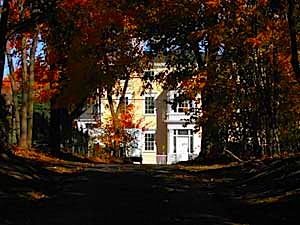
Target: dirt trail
{"points": [[134, 194]]}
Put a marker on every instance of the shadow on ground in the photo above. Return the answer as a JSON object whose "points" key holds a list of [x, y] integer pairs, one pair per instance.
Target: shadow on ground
{"points": [[253, 193]]}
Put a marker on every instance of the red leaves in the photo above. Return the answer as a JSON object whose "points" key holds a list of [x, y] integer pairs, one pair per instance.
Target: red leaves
{"points": [[43, 78], [128, 120], [18, 11]]}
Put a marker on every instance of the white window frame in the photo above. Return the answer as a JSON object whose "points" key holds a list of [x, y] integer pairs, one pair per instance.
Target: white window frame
{"points": [[154, 141], [184, 106], [149, 96]]}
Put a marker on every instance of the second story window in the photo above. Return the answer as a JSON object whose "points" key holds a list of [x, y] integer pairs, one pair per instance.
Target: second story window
{"points": [[184, 106], [149, 105], [148, 75]]}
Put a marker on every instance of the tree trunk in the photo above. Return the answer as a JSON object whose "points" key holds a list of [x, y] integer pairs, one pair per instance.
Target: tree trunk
{"points": [[30, 90], [24, 136], [293, 37], [112, 109], [210, 128], [3, 30], [121, 105], [66, 127], [54, 135], [15, 108], [115, 112]]}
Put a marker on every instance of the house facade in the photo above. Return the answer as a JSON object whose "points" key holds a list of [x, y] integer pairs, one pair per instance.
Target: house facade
{"points": [[164, 139]]}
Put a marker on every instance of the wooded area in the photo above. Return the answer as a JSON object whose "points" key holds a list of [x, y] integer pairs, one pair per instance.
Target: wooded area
{"points": [[237, 59]]}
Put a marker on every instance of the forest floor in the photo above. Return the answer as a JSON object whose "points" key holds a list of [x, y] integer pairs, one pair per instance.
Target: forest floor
{"points": [[49, 191]]}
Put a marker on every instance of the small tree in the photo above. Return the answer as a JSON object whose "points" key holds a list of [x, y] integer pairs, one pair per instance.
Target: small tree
{"points": [[114, 138]]}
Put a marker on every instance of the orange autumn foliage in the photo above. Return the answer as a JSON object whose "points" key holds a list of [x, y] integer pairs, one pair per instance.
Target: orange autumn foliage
{"points": [[128, 121], [6, 86], [212, 3]]}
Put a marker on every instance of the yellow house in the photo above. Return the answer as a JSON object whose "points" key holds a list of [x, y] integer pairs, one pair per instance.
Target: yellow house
{"points": [[165, 140]]}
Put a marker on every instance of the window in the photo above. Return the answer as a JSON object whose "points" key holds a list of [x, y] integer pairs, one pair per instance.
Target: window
{"points": [[149, 142], [149, 105], [183, 106], [148, 75], [126, 100]]}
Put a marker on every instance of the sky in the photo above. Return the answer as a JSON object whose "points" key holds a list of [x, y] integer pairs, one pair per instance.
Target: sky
{"points": [[38, 52]]}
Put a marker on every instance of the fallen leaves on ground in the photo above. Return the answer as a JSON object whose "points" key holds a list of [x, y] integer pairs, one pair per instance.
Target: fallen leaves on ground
{"points": [[34, 155]]}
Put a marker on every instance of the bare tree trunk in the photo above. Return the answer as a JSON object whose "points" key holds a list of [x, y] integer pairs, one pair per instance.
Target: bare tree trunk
{"points": [[115, 112], [115, 119], [15, 108], [112, 109], [121, 105], [30, 89], [293, 37], [3, 30], [24, 134], [55, 131]]}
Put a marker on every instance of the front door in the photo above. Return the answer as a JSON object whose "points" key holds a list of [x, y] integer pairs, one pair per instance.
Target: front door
{"points": [[182, 147]]}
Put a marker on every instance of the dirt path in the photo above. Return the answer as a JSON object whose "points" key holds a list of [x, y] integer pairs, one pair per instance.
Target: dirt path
{"points": [[133, 194]]}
